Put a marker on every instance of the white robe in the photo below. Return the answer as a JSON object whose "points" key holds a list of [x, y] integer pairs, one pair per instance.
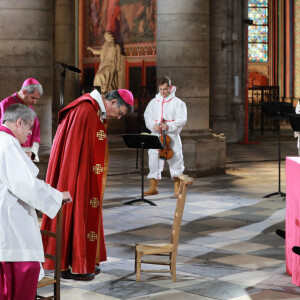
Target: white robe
{"points": [[20, 194], [173, 110]]}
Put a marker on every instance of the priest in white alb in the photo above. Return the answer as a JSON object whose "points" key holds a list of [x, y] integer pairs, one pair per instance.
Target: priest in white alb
{"points": [[21, 192]]}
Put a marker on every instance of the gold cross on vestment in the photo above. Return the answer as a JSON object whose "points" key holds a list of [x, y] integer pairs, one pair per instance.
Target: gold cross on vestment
{"points": [[94, 202], [98, 169], [101, 135], [92, 237]]}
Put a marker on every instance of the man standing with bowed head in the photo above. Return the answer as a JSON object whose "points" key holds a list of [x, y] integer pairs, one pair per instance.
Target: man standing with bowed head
{"points": [[77, 163], [29, 93], [21, 248], [166, 113]]}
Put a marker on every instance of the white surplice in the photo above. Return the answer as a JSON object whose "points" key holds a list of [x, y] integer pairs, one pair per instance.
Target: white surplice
{"points": [[20, 194]]}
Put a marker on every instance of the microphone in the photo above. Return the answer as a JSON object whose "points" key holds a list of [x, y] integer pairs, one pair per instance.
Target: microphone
{"points": [[71, 68]]}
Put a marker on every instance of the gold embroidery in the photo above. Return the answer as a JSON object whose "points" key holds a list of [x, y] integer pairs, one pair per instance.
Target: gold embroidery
{"points": [[92, 237], [94, 202], [101, 135], [98, 169]]}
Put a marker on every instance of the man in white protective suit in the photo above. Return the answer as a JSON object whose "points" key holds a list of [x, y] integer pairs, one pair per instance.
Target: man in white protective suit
{"points": [[166, 113], [21, 192]]}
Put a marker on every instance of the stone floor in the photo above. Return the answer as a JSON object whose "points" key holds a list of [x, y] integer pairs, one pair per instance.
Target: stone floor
{"points": [[228, 247]]}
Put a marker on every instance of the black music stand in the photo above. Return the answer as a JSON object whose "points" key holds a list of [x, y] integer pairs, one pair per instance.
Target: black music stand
{"points": [[277, 111], [295, 122], [143, 141]]}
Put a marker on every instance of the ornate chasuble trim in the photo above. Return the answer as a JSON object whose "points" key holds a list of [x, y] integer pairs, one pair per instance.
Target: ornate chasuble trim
{"points": [[94, 205], [94, 202], [98, 169], [101, 135], [92, 236]]}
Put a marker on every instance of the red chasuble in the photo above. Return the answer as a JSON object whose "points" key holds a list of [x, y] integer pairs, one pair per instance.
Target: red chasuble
{"points": [[76, 165]]}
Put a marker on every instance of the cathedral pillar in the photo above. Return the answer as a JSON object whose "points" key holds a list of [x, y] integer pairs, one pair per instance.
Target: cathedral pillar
{"points": [[227, 68], [183, 50], [27, 51], [64, 52]]}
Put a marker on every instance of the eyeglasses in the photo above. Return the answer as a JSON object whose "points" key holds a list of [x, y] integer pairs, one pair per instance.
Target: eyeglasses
{"points": [[120, 113], [28, 124]]}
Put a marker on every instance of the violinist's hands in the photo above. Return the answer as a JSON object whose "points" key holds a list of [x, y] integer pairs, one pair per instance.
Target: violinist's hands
{"points": [[156, 128], [66, 198], [164, 127]]}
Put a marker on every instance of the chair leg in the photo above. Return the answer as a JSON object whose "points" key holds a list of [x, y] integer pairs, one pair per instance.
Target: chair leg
{"points": [[135, 259], [57, 291], [138, 265], [173, 271], [173, 267]]}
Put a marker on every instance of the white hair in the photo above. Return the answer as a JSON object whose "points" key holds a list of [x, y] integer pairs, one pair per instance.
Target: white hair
{"points": [[32, 87], [18, 111]]}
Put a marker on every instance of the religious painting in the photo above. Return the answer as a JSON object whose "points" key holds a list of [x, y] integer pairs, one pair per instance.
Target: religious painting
{"points": [[130, 21]]}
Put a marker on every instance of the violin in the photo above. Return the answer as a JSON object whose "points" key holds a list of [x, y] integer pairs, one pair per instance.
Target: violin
{"points": [[167, 152]]}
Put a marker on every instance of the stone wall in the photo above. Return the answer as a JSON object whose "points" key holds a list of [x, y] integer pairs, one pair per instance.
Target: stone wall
{"points": [[183, 53], [27, 51]]}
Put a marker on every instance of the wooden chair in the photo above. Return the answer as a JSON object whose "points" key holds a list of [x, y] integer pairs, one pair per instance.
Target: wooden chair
{"points": [[166, 249], [47, 280]]}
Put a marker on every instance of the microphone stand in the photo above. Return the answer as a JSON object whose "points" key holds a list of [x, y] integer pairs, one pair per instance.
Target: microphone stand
{"points": [[62, 88], [62, 80], [280, 193]]}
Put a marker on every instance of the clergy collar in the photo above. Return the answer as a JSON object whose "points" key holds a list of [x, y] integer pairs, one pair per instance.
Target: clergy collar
{"points": [[6, 129], [97, 96], [17, 98]]}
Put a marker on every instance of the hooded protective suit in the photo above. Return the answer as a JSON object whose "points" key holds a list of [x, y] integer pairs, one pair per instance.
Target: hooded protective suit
{"points": [[173, 111]]}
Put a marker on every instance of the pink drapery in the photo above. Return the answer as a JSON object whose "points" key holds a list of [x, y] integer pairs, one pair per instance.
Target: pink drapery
{"points": [[292, 222]]}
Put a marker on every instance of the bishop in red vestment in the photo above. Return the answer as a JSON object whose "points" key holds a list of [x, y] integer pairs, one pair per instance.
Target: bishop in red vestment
{"points": [[76, 164]]}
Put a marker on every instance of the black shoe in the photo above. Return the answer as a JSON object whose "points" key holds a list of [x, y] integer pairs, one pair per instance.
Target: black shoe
{"points": [[281, 233], [85, 277], [97, 270], [65, 274], [69, 275], [296, 250]]}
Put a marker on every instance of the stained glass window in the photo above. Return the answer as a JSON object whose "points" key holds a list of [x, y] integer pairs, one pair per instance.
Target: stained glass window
{"points": [[258, 3], [258, 32]]}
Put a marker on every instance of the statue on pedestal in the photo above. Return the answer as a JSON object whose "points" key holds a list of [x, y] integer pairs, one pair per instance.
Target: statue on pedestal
{"points": [[110, 63]]}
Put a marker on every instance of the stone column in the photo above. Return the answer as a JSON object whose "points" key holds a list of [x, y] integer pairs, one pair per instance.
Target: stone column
{"points": [[64, 53], [227, 70], [27, 51], [183, 54]]}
